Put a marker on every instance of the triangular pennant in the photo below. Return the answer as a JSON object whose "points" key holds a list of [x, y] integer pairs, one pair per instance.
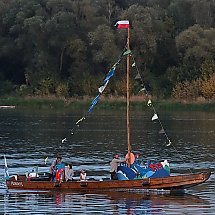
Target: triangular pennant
{"points": [[109, 75], [155, 117], [94, 102], [127, 52], [137, 76], [133, 64], [101, 89], [169, 143], [63, 140], [162, 131], [46, 159], [80, 120], [149, 103], [143, 89]]}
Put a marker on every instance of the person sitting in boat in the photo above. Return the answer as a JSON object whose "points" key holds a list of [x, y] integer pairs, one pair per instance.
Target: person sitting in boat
{"points": [[83, 175], [57, 167], [114, 165], [136, 156], [69, 173]]}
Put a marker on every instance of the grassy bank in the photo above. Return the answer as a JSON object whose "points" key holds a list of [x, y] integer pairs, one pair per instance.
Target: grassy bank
{"points": [[105, 103]]}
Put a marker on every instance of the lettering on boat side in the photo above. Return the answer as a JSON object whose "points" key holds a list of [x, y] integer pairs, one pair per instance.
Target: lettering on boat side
{"points": [[16, 184]]}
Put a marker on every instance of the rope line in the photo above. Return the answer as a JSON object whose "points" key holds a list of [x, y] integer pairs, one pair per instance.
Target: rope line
{"points": [[154, 110]]}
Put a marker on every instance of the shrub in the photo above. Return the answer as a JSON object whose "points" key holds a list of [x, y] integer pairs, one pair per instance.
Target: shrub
{"points": [[62, 89], [6, 87], [208, 87]]}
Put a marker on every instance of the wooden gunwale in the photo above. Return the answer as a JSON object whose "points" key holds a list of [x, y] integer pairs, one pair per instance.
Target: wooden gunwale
{"points": [[167, 183]]}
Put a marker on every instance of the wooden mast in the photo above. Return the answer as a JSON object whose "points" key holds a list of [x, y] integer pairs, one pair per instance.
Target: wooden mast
{"points": [[128, 98]]}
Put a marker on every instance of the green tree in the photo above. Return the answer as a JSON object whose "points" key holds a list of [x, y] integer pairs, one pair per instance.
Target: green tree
{"points": [[195, 45]]}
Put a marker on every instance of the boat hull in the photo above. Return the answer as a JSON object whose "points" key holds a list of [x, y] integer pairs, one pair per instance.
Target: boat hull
{"points": [[168, 183]]}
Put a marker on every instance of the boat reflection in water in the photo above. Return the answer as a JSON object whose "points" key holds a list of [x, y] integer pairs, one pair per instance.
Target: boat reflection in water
{"points": [[127, 202], [108, 202]]}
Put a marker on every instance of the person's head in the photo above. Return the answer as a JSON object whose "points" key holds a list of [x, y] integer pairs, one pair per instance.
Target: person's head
{"points": [[115, 155], [137, 155], [82, 171], [59, 158], [69, 165]]}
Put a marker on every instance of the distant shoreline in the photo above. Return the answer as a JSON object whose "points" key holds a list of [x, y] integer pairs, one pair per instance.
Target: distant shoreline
{"points": [[107, 103]]}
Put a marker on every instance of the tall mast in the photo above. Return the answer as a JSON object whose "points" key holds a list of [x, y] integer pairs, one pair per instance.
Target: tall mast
{"points": [[128, 98]]}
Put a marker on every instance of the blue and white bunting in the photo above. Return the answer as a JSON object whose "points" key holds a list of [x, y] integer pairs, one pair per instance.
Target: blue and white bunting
{"points": [[109, 75], [94, 102], [6, 173], [101, 89]]}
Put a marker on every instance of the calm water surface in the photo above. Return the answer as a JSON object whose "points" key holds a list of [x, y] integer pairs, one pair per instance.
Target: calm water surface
{"points": [[27, 138]]}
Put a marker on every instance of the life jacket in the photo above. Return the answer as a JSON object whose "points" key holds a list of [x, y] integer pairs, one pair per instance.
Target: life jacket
{"points": [[59, 174]]}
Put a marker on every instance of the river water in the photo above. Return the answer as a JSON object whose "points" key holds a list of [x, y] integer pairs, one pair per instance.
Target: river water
{"points": [[28, 137]]}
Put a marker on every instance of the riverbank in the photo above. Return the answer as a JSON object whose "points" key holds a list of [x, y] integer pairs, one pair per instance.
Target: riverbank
{"points": [[115, 103]]}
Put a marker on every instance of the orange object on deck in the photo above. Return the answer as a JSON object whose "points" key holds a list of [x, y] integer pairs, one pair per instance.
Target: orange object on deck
{"points": [[130, 156]]}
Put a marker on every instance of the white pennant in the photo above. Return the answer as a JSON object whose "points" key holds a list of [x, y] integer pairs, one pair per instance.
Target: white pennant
{"points": [[169, 143], [133, 64], [149, 103], [101, 89], [63, 140], [155, 117]]}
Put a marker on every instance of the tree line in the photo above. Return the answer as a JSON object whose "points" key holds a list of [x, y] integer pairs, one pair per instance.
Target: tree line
{"points": [[65, 47]]}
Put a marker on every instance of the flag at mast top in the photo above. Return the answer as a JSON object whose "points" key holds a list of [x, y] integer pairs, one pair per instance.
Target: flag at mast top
{"points": [[122, 24]]}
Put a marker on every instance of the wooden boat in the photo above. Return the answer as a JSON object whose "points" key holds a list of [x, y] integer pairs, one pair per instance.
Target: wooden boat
{"points": [[167, 182], [179, 182]]}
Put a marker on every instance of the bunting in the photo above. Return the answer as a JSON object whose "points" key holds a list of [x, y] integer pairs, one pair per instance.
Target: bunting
{"points": [[169, 143], [137, 77], [80, 120], [127, 52], [63, 140], [143, 89], [149, 103], [46, 159], [6, 173], [102, 88], [109, 75], [155, 116], [162, 131], [94, 102]]}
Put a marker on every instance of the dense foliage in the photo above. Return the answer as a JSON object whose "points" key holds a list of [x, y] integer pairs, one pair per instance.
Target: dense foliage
{"points": [[65, 47]]}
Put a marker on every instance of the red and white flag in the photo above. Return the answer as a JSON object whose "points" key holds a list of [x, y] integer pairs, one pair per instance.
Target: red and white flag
{"points": [[122, 24]]}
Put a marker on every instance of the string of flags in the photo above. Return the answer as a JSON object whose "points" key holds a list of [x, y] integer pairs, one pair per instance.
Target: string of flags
{"points": [[6, 173], [125, 52], [155, 116], [104, 84]]}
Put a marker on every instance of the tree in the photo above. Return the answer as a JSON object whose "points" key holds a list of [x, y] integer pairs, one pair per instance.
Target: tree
{"points": [[196, 44], [181, 12], [103, 45]]}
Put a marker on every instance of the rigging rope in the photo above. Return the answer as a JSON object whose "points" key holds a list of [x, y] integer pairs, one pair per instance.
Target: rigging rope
{"points": [[101, 89], [125, 52], [150, 104]]}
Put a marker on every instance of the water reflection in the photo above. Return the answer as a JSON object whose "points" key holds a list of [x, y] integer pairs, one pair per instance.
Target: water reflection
{"points": [[28, 137], [102, 203]]}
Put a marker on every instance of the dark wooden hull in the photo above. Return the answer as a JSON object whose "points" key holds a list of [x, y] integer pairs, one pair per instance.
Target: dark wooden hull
{"points": [[168, 183]]}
